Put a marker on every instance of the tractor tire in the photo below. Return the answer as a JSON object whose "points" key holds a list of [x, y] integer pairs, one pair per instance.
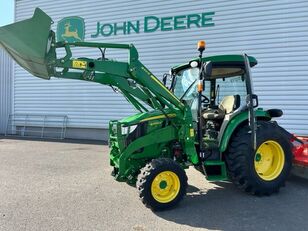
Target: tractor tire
{"points": [[161, 184], [262, 172]]}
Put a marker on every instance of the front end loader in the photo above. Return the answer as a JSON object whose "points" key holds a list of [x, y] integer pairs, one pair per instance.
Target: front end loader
{"points": [[207, 118]]}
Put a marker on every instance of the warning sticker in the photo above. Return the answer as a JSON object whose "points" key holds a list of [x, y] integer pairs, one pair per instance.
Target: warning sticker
{"points": [[79, 64], [192, 132]]}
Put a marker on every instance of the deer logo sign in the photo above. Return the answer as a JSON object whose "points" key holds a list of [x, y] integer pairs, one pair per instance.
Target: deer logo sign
{"points": [[71, 29]]}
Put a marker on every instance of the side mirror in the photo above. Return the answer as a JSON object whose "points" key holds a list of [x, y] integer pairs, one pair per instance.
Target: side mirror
{"points": [[207, 69]]}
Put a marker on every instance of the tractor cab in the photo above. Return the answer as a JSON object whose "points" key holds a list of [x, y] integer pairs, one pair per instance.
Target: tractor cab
{"points": [[216, 89], [223, 91]]}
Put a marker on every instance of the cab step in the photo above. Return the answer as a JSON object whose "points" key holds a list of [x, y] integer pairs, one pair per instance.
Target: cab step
{"points": [[216, 170]]}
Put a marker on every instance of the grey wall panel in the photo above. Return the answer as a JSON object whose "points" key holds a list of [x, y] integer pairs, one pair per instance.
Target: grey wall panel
{"points": [[6, 79], [275, 32]]}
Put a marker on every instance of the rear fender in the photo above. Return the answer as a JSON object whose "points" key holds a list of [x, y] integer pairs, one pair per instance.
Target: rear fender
{"points": [[236, 122]]}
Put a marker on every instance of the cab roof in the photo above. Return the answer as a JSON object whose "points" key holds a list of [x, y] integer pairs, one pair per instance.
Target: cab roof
{"points": [[220, 60]]}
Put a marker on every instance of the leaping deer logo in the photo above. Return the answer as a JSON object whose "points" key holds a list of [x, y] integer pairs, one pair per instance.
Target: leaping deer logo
{"points": [[71, 29], [70, 34]]}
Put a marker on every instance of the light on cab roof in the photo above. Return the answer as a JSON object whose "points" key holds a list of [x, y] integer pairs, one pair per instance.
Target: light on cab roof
{"points": [[201, 45]]}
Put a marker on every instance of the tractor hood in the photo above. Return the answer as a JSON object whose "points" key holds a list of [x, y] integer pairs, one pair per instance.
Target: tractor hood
{"points": [[146, 116], [29, 42]]}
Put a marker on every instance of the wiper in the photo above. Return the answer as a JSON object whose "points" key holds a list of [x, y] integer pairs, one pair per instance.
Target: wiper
{"points": [[187, 90]]}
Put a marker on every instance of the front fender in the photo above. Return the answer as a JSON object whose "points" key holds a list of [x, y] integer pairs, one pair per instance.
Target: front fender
{"points": [[153, 139]]}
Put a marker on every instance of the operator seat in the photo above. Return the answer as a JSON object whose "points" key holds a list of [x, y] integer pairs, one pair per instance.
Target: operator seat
{"points": [[227, 105]]}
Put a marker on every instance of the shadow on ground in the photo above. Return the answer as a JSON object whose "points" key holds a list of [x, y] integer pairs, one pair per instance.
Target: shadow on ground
{"points": [[226, 208]]}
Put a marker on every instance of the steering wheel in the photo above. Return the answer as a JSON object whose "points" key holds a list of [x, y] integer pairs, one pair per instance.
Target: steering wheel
{"points": [[204, 99]]}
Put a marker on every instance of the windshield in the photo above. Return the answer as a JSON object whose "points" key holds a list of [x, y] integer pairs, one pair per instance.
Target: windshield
{"points": [[184, 80]]}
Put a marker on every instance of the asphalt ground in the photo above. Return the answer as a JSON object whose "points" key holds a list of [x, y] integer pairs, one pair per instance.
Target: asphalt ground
{"points": [[49, 185]]}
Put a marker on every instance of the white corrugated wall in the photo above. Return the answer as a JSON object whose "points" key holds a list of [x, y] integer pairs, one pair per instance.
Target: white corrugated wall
{"points": [[275, 32], [5, 89]]}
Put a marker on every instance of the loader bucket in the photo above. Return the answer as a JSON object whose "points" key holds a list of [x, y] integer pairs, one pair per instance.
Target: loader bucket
{"points": [[29, 44]]}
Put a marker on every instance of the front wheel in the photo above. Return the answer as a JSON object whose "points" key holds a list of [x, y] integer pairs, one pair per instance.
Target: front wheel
{"points": [[264, 171], [161, 184]]}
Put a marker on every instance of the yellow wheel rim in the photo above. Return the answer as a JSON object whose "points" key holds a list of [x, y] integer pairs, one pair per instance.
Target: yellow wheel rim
{"points": [[269, 160], [165, 187]]}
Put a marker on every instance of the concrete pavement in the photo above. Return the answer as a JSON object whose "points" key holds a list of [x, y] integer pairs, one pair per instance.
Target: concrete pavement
{"points": [[48, 185]]}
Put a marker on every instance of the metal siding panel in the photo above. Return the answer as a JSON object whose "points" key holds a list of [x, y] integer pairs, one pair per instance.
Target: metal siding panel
{"points": [[5, 89], [275, 32]]}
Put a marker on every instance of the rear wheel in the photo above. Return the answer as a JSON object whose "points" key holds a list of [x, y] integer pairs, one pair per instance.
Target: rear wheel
{"points": [[161, 184], [269, 160], [266, 170]]}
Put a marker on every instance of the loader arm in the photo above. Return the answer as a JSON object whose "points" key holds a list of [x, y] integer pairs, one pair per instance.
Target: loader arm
{"points": [[132, 78], [32, 45]]}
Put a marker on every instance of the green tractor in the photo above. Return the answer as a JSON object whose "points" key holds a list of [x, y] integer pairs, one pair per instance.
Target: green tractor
{"points": [[204, 114]]}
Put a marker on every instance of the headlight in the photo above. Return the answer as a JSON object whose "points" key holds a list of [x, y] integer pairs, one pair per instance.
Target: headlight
{"points": [[114, 128], [124, 130], [194, 64], [127, 130]]}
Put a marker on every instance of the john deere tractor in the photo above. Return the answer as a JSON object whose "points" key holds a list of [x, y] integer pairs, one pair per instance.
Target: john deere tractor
{"points": [[206, 116]]}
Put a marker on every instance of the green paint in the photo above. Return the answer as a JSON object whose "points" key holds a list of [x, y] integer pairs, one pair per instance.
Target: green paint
{"points": [[107, 29], [193, 19], [258, 157], [207, 18], [179, 22], [134, 119], [71, 29], [163, 184], [133, 27], [166, 24], [153, 23], [217, 59], [28, 49], [120, 28], [237, 121], [223, 170], [98, 31]]}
